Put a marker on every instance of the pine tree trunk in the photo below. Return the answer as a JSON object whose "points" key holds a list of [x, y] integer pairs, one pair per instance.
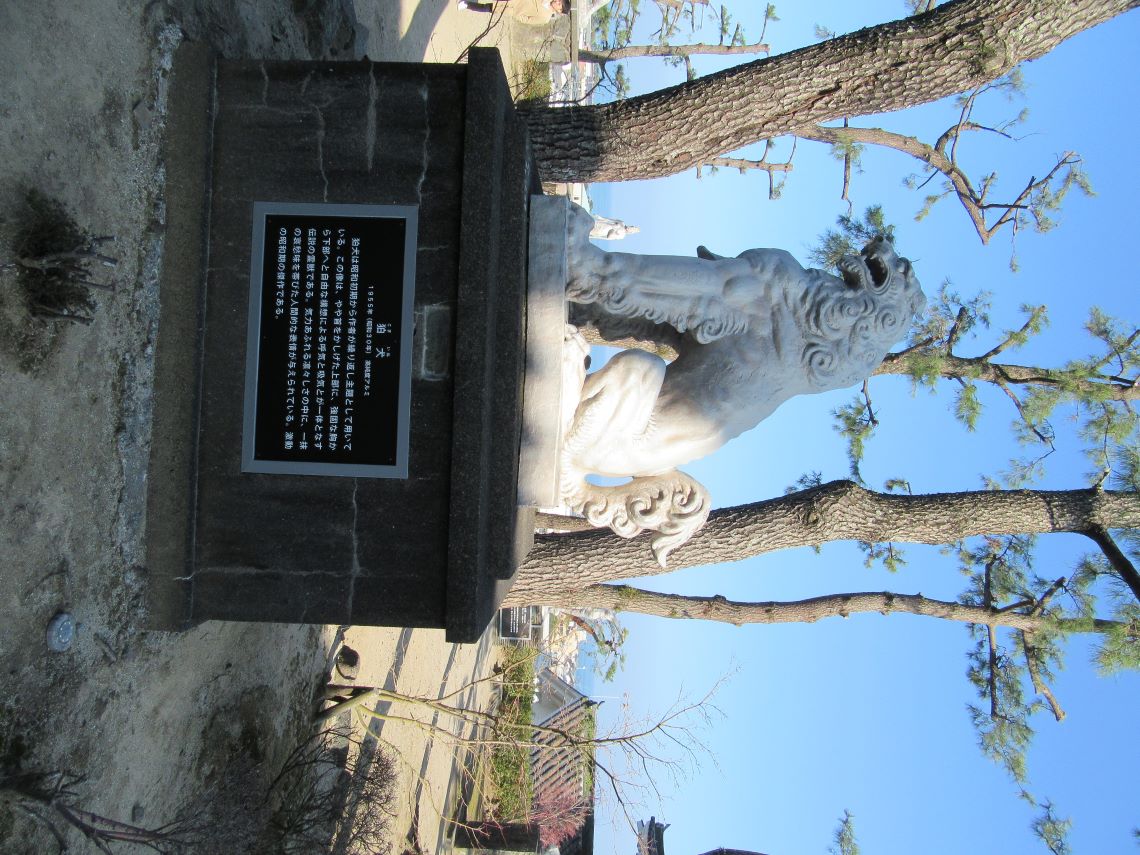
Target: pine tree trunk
{"points": [[889, 67], [839, 510]]}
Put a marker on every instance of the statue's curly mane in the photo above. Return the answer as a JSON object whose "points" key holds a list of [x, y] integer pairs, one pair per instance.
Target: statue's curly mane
{"points": [[847, 331]]}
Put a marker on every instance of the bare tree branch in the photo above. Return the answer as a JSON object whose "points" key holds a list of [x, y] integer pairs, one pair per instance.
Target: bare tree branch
{"points": [[618, 54]]}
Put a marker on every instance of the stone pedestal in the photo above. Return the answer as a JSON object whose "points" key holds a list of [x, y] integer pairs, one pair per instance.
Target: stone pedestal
{"points": [[435, 549], [546, 318]]}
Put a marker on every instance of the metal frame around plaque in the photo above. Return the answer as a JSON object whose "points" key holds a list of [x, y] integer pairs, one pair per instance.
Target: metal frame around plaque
{"points": [[408, 213]]}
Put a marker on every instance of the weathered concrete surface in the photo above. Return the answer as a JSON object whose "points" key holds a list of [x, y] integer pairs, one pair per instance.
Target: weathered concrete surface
{"points": [[424, 550]]}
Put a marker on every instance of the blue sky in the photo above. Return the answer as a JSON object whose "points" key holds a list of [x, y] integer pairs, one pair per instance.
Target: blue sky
{"points": [[868, 714]]}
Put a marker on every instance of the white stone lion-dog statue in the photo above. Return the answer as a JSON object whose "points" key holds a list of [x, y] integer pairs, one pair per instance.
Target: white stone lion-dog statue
{"points": [[750, 333]]}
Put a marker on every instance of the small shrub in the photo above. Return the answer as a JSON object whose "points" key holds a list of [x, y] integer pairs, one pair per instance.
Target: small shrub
{"points": [[321, 786], [54, 260], [533, 81], [510, 763]]}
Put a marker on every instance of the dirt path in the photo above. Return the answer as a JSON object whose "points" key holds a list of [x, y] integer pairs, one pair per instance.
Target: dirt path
{"points": [[427, 31], [423, 665], [152, 720]]}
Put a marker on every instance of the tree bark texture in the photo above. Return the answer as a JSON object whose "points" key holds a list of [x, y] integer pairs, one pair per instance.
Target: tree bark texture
{"points": [[626, 599], [912, 61], [839, 510]]}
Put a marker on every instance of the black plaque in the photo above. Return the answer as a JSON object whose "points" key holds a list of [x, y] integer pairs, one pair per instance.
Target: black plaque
{"points": [[328, 356], [516, 623]]}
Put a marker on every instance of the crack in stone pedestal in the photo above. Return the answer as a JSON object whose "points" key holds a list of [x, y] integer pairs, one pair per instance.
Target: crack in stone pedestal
{"points": [[427, 137], [370, 118]]}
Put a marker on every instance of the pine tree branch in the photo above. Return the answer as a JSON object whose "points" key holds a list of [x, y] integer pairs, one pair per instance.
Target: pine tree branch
{"points": [[899, 356], [1020, 407], [991, 639], [626, 598], [619, 54], [1039, 685], [1043, 600], [914, 147], [1112, 387], [1119, 561], [76, 260], [1012, 607], [1014, 337], [1117, 353], [934, 157], [956, 329], [44, 312], [743, 164]]}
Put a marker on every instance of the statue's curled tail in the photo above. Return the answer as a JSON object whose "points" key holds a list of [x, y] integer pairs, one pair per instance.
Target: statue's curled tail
{"points": [[672, 504]]}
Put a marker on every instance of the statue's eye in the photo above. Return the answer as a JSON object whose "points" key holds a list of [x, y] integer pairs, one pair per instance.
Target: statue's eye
{"points": [[904, 267]]}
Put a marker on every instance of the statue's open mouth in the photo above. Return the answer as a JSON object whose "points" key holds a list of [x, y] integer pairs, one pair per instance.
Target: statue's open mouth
{"points": [[878, 269], [863, 271], [869, 269]]}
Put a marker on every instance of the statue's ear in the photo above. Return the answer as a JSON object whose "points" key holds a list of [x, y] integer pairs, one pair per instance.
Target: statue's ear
{"points": [[703, 252]]}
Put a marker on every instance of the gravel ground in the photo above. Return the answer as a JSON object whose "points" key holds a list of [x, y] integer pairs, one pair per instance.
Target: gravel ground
{"points": [[153, 721]]}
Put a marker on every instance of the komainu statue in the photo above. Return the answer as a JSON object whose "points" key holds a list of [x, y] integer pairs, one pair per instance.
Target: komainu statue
{"points": [[750, 332]]}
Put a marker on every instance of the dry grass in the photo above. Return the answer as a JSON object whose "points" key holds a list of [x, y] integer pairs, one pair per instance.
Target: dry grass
{"points": [[531, 83]]}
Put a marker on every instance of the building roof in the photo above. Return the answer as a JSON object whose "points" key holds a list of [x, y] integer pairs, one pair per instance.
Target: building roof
{"points": [[562, 771], [558, 689]]}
